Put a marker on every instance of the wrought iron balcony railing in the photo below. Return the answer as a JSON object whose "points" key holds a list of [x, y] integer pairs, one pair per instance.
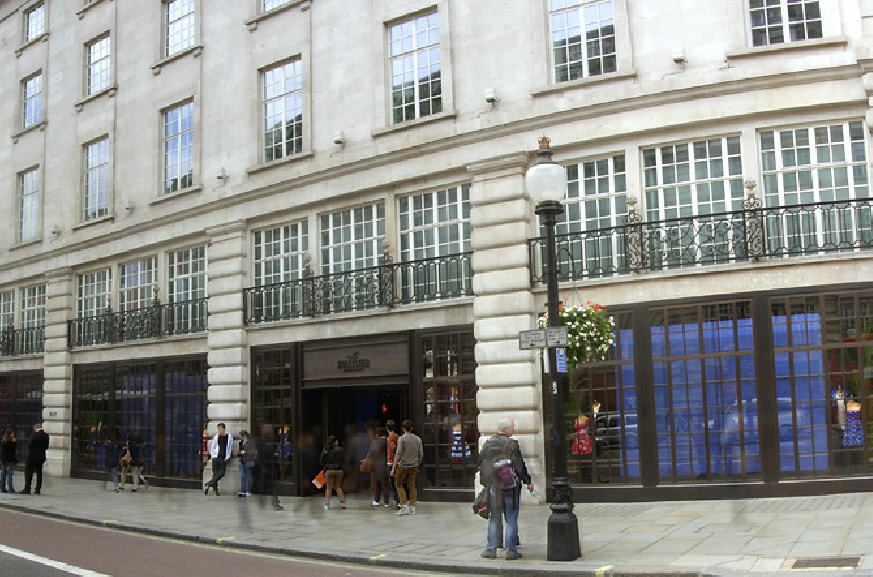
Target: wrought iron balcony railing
{"points": [[386, 285], [27, 341], [753, 233], [153, 321]]}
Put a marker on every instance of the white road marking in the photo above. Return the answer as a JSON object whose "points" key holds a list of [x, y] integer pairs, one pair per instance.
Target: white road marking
{"points": [[51, 562]]}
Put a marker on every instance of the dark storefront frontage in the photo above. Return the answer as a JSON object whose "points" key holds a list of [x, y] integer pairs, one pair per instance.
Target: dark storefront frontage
{"points": [[347, 387], [20, 406], [162, 401], [729, 398]]}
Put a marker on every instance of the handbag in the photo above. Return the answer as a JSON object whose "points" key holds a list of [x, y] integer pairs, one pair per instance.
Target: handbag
{"points": [[366, 465], [480, 504], [319, 480], [125, 459]]}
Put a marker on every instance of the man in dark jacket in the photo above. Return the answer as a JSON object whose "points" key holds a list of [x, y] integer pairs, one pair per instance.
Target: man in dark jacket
{"points": [[502, 470], [37, 446]]}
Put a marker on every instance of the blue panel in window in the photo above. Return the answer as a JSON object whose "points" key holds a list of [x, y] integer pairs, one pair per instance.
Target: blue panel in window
{"points": [[816, 362], [819, 413], [801, 388], [821, 461], [692, 340], [747, 367], [753, 464], [677, 372], [780, 332], [633, 469], [659, 373], [662, 400], [806, 462], [680, 399], [801, 363], [693, 371], [726, 337], [712, 369], [677, 344], [627, 344], [729, 369], [745, 335], [658, 342], [710, 337], [814, 330], [783, 389], [629, 399]]}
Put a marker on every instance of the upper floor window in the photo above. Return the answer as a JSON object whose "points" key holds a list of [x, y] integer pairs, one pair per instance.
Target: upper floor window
{"points": [[416, 89], [33, 307], [351, 239], [778, 21], [583, 38], [96, 179], [98, 66], [93, 293], [435, 223], [179, 147], [270, 4], [283, 110], [137, 282], [31, 112], [186, 274], [34, 22], [179, 26], [279, 253], [28, 205], [7, 310]]}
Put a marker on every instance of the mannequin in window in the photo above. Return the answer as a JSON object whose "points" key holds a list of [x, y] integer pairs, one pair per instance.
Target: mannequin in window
{"points": [[854, 435], [582, 440], [839, 415]]}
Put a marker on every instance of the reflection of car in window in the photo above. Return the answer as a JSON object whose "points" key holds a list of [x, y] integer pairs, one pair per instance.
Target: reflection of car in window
{"points": [[608, 431]]}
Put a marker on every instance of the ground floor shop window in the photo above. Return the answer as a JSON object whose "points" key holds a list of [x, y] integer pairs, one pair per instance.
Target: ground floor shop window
{"points": [[449, 432], [160, 402], [273, 410], [20, 406]]}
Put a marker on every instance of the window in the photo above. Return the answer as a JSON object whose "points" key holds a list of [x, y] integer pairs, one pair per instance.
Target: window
{"points": [[596, 200], [179, 33], [689, 181], [573, 56], [270, 4], [351, 239], [7, 310], [186, 277], [31, 112], [179, 147], [34, 23], [28, 206], [283, 110], [137, 282], [93, 294], [414, 61], [33, 307], [98, 66], [778, 21], [809, 165], [279, 253], [96, 179]]}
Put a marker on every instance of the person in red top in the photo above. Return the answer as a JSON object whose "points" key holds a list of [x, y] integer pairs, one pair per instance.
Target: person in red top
{"points": [[392, 449]]}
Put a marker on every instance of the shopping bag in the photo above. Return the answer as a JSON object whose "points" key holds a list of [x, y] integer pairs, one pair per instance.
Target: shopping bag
{"points": [[319, 480], [480, 504]]}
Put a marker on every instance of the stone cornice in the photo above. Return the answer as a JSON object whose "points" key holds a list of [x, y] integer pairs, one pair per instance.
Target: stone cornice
{"points": [[227, 229], [506, 163]]}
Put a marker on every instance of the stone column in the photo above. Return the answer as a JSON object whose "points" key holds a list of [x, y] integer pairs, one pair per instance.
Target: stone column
{"points": [[228, 391], [57, 402], [508, 379]]}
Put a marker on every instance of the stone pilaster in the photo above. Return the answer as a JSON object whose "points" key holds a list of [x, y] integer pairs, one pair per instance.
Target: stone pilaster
{"points": [[508, 379], [57, 399], [228, 351]]}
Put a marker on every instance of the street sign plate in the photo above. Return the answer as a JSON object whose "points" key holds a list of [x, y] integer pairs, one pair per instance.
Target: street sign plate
{"points": [[528, 340], [561, 355], [557, 337]]}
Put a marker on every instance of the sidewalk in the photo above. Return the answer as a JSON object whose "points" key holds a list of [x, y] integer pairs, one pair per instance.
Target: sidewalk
{"points": [[751, 536]]}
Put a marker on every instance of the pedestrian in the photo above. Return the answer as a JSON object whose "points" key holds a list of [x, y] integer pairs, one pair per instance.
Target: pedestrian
{"points": [[137, 460], [125, 459], [222, 447], [378, 455], [248, 454], [8, 460], [392, 450], [110, 456], [267, 466], [332, 460], [503, 472], [36, 448], [407, 460]]}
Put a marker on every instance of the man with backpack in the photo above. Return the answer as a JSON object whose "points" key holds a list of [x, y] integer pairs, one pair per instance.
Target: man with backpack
{"points": [[503, 472]]}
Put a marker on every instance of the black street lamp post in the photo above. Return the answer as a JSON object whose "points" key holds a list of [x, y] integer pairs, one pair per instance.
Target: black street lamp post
{"points": [[546, 183]]}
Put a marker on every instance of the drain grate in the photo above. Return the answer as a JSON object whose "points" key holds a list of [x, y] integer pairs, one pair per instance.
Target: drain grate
{"points": [[848, 562]]}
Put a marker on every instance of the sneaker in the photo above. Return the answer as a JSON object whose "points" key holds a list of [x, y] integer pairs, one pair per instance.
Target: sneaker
{"points": [[116, 490], [512, 555], [145, 483], [205, 489], [327, 507], [375, 503], [278, 508], [133, 490], [489, 554], [217, 494], [411, 510], [240, 494], [404, 510], [387, 505], [248, 494], [25, 491], [343, 504]]}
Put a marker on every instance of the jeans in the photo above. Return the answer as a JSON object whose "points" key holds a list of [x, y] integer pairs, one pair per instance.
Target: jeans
{"points": [[219, 466], [245, 477], [113, 472], [7, 471], [503, 504], [29, 469]]}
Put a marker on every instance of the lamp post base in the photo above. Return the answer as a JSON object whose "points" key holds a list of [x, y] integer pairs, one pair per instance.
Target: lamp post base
{"points": [[563, 527]]}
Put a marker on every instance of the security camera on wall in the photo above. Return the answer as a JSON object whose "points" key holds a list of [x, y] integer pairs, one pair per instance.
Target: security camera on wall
{"points": [[339, 139]]}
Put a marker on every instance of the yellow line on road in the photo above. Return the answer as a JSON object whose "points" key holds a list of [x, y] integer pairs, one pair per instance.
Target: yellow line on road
{"points": [[600, 572], [223, 539], [379, 556], [108, 521]]}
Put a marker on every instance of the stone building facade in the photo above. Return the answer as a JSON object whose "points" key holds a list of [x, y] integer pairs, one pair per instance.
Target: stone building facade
{"points": [[222, 214]]}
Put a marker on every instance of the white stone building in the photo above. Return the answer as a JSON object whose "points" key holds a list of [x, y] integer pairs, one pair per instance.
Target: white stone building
{"points": [[341, 186]]}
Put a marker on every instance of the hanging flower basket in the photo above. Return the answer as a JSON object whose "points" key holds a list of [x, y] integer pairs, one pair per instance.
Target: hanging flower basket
{"points": [[589, 331]]}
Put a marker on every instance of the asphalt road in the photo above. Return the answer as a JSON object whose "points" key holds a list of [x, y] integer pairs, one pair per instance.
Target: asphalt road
{"points": [[64, 548]]}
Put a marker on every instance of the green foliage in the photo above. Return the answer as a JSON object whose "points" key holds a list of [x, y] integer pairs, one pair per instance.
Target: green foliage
{"points": [[589, 331]]}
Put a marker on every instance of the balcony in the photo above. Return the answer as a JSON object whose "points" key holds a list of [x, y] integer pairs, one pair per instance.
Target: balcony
{"points": [[752, 234], [383, 286], [28, 341], [151, 322]]}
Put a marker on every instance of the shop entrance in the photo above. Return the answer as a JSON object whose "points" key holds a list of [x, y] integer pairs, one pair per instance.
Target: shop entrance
{"points": [[349, 412]]}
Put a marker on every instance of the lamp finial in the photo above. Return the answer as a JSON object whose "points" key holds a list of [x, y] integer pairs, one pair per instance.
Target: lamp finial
{"points": [[544, 142]]}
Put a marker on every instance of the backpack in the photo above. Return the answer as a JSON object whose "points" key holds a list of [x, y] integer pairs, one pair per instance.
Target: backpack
{"points": [[503, 473]]}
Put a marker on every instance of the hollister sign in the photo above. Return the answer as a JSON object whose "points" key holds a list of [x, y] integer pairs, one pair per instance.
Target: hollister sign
{"points": [[358, 361], [353, 363]]}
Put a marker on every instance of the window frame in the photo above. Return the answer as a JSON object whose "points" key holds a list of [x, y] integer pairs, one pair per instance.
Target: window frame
{"points": [[107, 179], [581, 6], [7, 309], [33, 316], [375, 240], [169, 50], [90, 90], [95, 303], [297, 231], [34, 220], [408, 249], [37, 97], [145, 290], [194, 158], [303, 93], [43, 22], [421, 56]]}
